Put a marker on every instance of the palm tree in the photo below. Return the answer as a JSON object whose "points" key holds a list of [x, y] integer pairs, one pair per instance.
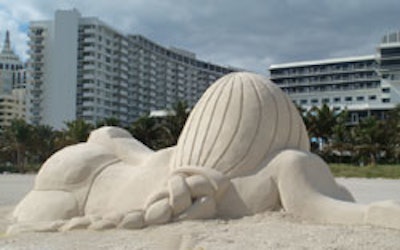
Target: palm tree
{"points": [[16, 141], [44, 141], [173, 124], [341, 140], [147, 130], [110, 121], [320, 123], [368, 139], [77, 131], [7, 152], [392, 134]]}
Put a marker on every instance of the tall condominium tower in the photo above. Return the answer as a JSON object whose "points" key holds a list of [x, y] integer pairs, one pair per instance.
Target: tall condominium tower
{"points": [[83, 68], [364, 85]]}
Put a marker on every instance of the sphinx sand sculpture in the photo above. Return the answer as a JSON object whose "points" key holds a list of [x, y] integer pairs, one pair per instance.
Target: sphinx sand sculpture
{"points": [[243, 150]]}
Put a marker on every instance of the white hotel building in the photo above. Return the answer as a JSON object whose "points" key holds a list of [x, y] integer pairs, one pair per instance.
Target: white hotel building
{"points": [[364, 85], [80, 67]]}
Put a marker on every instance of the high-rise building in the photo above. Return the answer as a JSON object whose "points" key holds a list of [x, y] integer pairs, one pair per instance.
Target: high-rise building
{"points": [[81, 67], [364, 85], [162, 76], [12, 73], [12, 85]]}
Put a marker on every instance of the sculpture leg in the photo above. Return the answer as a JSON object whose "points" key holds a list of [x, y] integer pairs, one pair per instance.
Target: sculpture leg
{"points": [[44, 211], [46, 206], [307, 188]]}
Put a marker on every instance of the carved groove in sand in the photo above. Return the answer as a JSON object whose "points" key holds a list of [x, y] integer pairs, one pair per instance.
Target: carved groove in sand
{"points": [[244, 150]]}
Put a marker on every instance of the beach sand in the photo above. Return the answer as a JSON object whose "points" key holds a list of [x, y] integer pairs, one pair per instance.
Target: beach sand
{"points": [[271, 230]]}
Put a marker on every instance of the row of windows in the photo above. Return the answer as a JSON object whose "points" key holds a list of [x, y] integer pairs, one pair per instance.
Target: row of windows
{"points": [[334, 87], [337, 67], [145, 44], [8, 66], [337, 100], [350, 77]]}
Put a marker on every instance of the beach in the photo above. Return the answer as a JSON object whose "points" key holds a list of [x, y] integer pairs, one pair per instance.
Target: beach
{"points": [[270, 230]]}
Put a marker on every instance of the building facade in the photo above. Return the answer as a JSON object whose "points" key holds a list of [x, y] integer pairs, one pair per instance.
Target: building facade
{"points": [[364, 85], [12, 106], [12, 85], [80, 67], [164, 75]]}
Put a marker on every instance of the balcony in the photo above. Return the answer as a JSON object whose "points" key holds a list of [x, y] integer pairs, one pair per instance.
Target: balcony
{"points": [[88, 85], [88, 76], [89, 40], [89, 67], [89, 48], [88, 112], [88, 94], [89, 58]]}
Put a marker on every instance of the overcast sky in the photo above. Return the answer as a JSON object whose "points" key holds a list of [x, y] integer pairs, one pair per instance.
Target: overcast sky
{"points": [[250, 34]]}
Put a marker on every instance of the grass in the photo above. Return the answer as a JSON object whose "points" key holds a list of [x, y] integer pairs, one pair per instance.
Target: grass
{"points": [[379, 171]]}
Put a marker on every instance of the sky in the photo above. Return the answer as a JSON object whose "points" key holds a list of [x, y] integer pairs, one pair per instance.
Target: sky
{"points": [[250, 34]]}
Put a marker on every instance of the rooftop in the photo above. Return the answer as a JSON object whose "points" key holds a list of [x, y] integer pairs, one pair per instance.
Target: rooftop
{"points": [[325, 61], [7, 54]]}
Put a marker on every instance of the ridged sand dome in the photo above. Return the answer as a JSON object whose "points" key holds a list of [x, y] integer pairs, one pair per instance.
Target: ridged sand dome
{"points": [[241, 120]]}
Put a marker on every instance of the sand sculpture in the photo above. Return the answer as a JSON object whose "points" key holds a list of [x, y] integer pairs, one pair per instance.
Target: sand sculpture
{"points": [[243, 150]]}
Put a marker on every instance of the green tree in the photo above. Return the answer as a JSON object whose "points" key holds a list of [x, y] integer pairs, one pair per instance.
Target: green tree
{"points": [[320, 122], [44, 140], [368, 138], [341, 140], [110, 121], [173, 124], [77, 131], [16, 138], [147, 130], [391, 133]]}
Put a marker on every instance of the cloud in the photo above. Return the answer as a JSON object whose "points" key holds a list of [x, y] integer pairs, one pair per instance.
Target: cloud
{"points": [[246, 34]]}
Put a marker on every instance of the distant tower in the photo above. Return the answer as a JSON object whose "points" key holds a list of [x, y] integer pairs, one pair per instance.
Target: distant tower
{"points": [[11, 68], [7, 47], [12, 84]]}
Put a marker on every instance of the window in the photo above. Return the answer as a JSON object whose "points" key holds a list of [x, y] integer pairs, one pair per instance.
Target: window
{"points": [[314, 101], [336, 99], [354, 118], [372, 97], [304, 101], [386, 100], [348, 98], [386, 90], [360, 98], [325, 100]]}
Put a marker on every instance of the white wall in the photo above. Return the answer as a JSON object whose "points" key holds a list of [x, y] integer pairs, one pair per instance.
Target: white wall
{"points": [[59, 103]]}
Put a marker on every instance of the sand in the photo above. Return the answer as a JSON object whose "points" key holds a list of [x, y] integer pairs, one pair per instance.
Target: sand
{"points": [[272, 230]]}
